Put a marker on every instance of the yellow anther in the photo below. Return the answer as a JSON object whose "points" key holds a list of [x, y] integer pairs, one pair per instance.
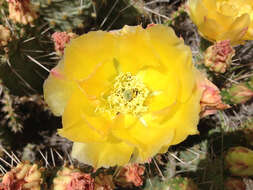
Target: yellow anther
{"points": [[127, 96]]}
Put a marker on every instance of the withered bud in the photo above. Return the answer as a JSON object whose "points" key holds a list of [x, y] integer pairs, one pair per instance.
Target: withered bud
{"points": [[22, 11], [218, 57]]}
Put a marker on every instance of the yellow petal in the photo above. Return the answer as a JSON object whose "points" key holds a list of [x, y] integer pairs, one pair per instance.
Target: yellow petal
{"points": [[146, 132], [80, 121], [102, 154], [78, 60], [190, 113], [210, 29], [197, 11], [100, 80], [136, 40], [167, 46], [57, 91], [237, 30], [164, 89]]}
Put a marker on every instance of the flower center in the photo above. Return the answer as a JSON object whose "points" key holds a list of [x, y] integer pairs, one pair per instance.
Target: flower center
{"points": [[128, 95]]}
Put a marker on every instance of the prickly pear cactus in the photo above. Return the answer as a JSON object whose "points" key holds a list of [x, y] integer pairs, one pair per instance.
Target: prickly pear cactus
{"points": [[66, 15], [24, 51], [20, 67], [119, 13]]}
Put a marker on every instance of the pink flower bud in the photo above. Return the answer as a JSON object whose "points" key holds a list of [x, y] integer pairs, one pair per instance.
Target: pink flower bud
{"points": [[210, 101], [131, 175], [60, 40], [218, 57]]}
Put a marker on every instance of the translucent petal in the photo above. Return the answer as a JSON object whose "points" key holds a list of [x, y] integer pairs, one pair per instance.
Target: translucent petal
{"points": [[189, 111], [137, 41], [100, 80], [57, 91], [147, 138], [197, 11], [164, 89], [175, 58], [237, 30], [83, 54], [210, 29], [102, 154], [80, 121]]}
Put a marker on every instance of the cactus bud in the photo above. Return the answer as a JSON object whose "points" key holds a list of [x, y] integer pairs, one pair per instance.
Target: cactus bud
{"points": [[60, 40], [69, 178], [218, 57], [239, 161], [23, 176], [234, 184], [130, 175], [240, 93], [21, 11], [210, 101], [5, 35]]}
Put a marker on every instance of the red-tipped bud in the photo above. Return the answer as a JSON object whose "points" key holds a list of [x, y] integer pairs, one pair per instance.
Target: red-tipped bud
{"points": [[240, 93], [239, 161], [210, 101], [218, 57]]}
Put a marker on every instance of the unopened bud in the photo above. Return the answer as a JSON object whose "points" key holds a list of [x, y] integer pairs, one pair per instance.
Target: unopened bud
{"points": [[218, 57], [240, 93], [60, 40], [130, 175], [239, 161], [211, 100]]}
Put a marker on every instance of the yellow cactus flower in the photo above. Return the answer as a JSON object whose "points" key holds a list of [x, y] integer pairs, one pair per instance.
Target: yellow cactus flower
{"points": [[125, 95], [219, 20]]}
